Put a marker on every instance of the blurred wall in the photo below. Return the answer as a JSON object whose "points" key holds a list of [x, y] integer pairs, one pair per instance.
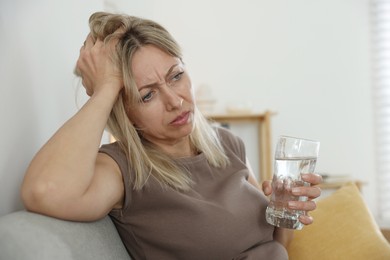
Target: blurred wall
{"points": [[308, 61]]}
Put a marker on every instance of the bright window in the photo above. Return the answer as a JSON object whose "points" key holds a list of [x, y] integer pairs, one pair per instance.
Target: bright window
{"points": [[381, 43]]}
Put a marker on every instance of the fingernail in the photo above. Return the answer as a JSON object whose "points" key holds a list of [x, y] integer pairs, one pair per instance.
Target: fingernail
{"points": [[292, 205], [304, 175], [295, 190], [305, 219]]}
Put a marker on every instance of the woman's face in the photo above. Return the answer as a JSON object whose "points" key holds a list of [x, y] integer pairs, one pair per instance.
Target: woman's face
{"points": [[165, 112]]}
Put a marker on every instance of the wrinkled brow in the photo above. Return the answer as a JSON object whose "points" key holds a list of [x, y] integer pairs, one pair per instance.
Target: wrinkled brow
{"points": [[155, 84]]}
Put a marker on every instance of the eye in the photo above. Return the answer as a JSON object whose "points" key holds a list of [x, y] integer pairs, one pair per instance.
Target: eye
{"points": [[176, 76], [147, 97]]}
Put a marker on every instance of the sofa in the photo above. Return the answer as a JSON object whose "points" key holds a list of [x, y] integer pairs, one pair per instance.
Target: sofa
{"points": [[26, 235], [343, 229]]}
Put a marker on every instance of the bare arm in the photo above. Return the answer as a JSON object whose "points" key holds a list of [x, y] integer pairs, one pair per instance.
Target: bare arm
{"points": [[67, 178]]}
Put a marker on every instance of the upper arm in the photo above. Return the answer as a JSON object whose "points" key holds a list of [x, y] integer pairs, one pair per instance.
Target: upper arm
{"points": [[106, 190]]}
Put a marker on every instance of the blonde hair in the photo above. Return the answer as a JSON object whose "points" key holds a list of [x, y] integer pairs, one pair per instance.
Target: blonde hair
{"points": [[144, 159]]}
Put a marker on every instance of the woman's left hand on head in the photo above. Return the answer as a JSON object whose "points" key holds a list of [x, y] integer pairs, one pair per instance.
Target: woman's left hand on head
{"points": [[96, 66]]}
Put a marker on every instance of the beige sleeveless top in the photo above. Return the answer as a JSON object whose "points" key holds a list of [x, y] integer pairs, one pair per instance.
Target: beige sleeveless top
{"points": [[221, 217]]}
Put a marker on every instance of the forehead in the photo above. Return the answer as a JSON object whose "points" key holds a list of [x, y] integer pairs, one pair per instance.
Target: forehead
{"points": [[150, 63]]}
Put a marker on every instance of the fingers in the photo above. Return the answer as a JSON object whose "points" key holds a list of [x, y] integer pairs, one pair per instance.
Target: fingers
{"points": [[86, 64], [311, 192], [312, 178], [305, 206], [302, 205], [96, 66], [306, 219], [267, 189], [89, 42]]}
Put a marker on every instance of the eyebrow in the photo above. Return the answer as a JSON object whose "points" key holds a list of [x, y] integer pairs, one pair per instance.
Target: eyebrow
{"points": [[151, 85]]}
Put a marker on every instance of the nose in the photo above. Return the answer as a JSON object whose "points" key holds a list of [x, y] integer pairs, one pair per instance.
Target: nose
{"points": [[172, 100]]}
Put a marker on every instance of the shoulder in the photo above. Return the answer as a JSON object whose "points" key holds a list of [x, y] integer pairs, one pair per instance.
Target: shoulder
{"points": [[116, 152], [230, 140], [111, 148]]}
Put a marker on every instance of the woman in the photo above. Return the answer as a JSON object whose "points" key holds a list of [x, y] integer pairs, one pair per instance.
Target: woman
{"points": [[175, 187]]}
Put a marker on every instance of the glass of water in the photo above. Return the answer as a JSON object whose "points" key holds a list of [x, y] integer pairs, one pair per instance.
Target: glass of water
{"points": [[293, 156]]}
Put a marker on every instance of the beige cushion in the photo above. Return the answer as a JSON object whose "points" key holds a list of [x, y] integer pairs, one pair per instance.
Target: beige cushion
{"points": [[343, 228]]}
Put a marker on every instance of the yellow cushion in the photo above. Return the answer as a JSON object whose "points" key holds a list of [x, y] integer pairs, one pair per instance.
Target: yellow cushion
{"points": [[343, 228]]}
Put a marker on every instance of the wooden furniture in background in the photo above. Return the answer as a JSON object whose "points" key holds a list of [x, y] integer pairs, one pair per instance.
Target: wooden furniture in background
{"points": [[263, 121]]}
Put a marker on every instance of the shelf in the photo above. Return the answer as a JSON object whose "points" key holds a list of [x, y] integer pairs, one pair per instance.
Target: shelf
{"points": [[263, 121]]}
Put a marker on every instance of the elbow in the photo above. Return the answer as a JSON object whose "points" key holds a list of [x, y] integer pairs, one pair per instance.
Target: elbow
{"points": [[47, 199], [36, 197]]}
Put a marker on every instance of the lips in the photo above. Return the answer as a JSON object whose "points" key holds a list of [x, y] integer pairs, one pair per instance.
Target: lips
{"points": [[181, 119]]}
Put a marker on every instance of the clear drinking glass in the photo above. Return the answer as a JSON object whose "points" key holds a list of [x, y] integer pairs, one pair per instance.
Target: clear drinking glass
{"points": [[293, 156]]}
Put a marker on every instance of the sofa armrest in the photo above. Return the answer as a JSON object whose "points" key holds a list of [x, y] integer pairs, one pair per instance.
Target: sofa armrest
{"points": [[26, 235], [343, 228]]}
